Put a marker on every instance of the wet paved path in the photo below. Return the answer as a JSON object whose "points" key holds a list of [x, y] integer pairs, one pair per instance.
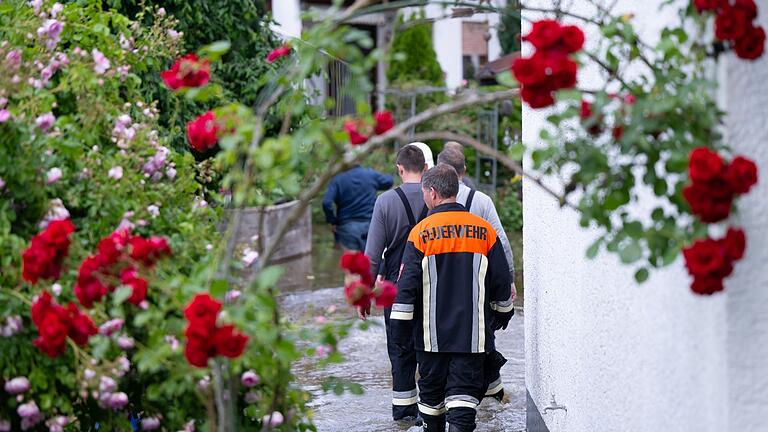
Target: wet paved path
{"points": [[367, 364]]}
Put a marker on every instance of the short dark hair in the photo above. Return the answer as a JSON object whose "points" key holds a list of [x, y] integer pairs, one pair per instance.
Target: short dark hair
{"points": [[443, 179], [454, 158], [411, 158]]}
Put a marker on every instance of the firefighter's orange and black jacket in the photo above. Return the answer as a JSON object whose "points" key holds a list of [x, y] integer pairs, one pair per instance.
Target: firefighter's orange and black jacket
{"points": [[453, 284]]}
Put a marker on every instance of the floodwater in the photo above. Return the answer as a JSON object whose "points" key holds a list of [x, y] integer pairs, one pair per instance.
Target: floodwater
{"points": [[366, 361]]}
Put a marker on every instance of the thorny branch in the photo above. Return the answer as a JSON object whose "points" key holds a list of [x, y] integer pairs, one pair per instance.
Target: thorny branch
{"points": [[501, 157]]}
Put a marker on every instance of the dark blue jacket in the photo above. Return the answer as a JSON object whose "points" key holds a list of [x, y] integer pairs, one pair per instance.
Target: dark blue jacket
{"points": [[354, 193]]}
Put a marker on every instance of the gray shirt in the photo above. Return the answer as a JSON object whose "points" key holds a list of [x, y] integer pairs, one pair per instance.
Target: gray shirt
{"points": [[389, 222], [482, 205]]}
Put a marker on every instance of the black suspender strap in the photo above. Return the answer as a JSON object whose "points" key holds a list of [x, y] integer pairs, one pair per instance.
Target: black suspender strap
{"points": [[404, 199], [468, 205], [424, 212]]}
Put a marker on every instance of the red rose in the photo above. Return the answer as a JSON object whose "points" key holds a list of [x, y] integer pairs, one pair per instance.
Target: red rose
{"points": [[56, 235], [705, 202], [203, 310], [617, 132], [704, 165], [160, 247], [41, 307], [751, 45], [138, 286], [572, 38], [89, 292], [53, 324], [188, 71], [111, 248], [228, 342], [706, 286], [748, 6], [384, 122], [706, 258], [529, 71], [544, 34], [705, 5], [385, 294], [731, 23], [741, 174], [36, 262], [201, 132], [200, 330], [82, 327], [734, 243], [358, 294], [537, 96], [586, 109], [196, 353], [563, 71], [355, 137], [147, 251], [89, 267], [53, 335], [355, 262], [278, 52]]}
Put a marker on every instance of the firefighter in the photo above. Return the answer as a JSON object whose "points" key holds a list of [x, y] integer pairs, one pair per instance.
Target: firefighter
{"points": [[454, 278], [482, 205]]}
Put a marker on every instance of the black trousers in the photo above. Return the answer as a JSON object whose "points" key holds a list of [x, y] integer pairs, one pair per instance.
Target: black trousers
{"points": [[403, 361], [492, 367], [451, 383]]}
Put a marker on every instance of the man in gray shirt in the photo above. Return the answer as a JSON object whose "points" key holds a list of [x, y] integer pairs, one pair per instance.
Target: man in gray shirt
{"points": [[482, 205], [397, 211]]}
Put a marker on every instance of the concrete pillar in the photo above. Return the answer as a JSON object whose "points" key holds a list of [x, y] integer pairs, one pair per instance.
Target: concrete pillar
{"points": [[287, 16]]}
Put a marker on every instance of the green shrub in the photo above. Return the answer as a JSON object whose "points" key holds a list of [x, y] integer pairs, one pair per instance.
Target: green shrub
{"points": [[243, 23], [412, 56]]}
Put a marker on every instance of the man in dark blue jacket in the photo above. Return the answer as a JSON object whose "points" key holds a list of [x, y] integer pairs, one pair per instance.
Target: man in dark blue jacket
{"points": [[354, 194]]}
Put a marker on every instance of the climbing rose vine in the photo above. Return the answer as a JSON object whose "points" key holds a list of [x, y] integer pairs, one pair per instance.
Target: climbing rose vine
{"points": [[551, 67], [734, 25]]}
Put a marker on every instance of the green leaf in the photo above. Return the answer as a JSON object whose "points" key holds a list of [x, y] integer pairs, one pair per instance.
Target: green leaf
{"points": [[121, 294], [641, 275], [214, 51], [670, 255], [634, 229], [219, 287], [269, 276], [616, 199], [356, 389], [506, 79], [631, 252], [594, 248]]}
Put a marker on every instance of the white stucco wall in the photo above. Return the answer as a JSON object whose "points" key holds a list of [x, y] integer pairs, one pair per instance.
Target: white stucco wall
{"points": [[747, 299], [287, 17], [619, 356]]}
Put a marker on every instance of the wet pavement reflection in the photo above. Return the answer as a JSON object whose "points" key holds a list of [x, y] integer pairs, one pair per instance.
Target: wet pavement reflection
{"points": [[366, 363]]}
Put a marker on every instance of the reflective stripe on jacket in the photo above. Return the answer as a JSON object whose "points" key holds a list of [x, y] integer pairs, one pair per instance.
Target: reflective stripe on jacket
{"points": [[455, 279]]}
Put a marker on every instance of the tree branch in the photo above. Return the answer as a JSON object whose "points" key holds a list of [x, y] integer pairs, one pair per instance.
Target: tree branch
{"points": [[354, 155], [501, 157]]}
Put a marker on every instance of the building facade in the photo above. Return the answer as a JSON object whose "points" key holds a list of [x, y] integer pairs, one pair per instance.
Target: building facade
{"points": [[462, 44]]}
